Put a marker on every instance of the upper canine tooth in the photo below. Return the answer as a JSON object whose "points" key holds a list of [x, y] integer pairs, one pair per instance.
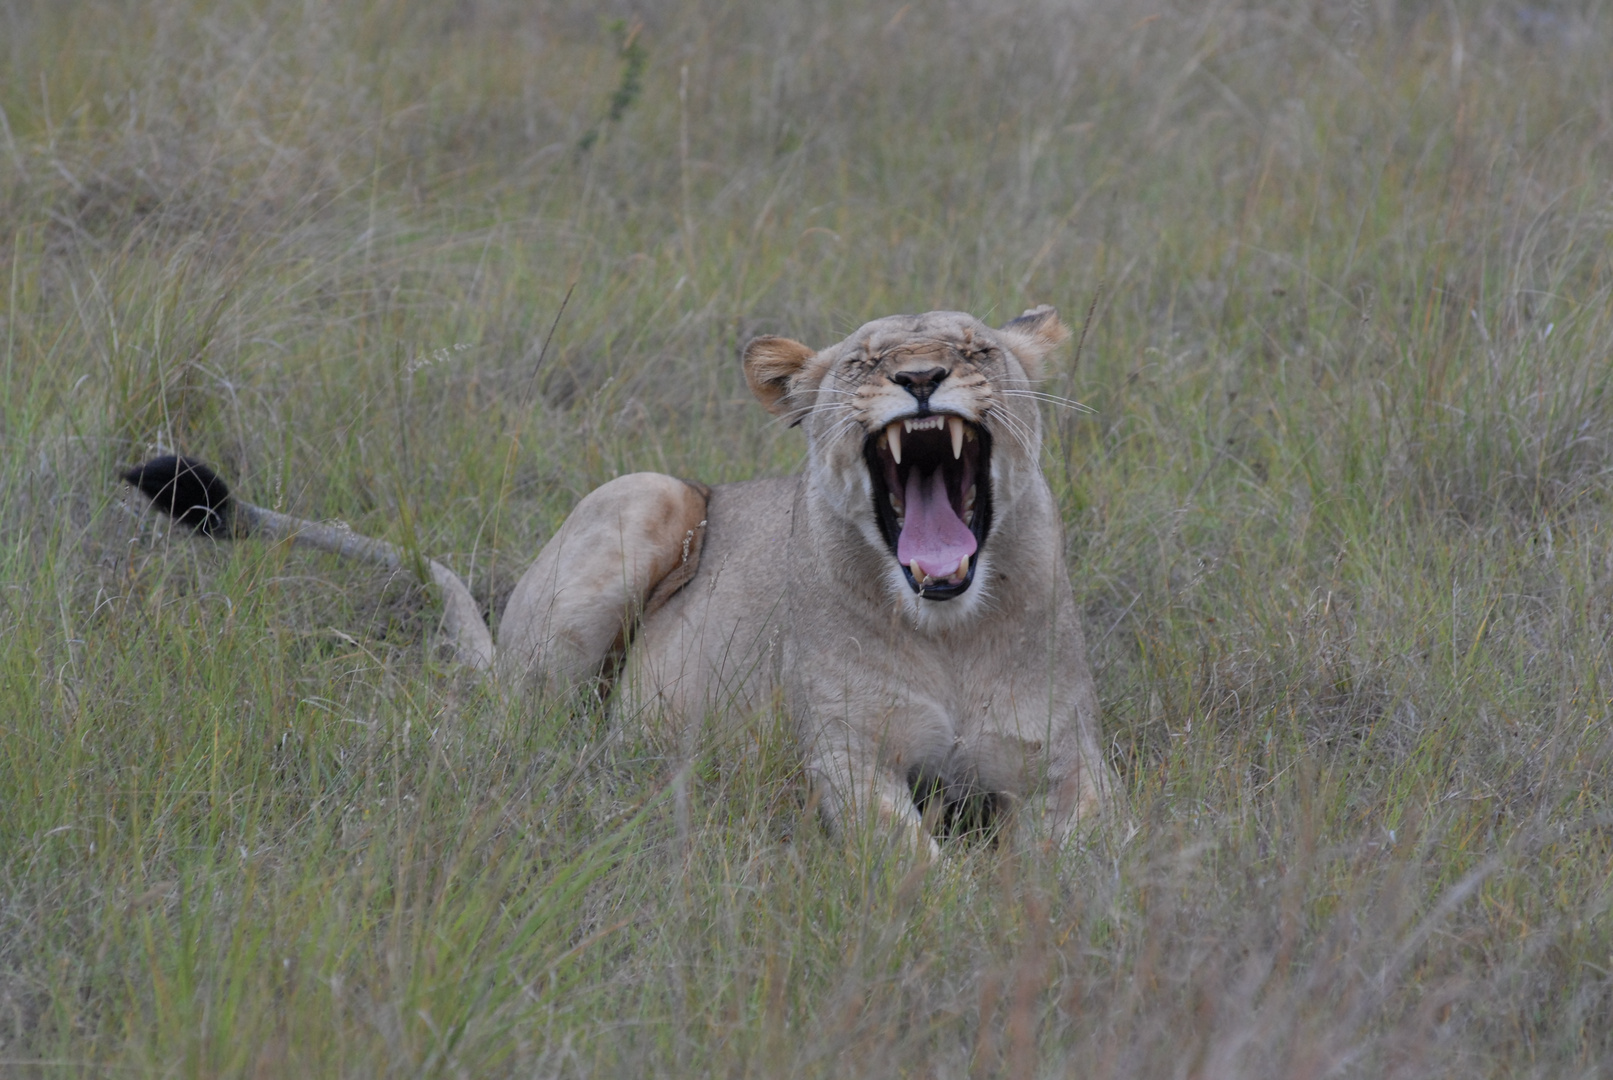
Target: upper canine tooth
{"points": [[955, 426], [895, 433]]}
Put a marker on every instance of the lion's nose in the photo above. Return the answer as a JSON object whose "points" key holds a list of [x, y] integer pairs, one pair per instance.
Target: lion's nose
{"points": [[921, 384]]}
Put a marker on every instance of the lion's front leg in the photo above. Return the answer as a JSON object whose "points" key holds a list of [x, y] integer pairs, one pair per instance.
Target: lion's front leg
{"points": [[856, 791], [1073, 801], [1055, 792]]}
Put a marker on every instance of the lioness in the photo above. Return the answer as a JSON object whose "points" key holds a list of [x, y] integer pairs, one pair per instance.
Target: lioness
{"points": [[907, 592]]}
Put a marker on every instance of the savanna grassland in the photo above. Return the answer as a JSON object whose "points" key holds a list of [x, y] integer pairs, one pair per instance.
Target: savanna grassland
{"points": [[1340, 522]]}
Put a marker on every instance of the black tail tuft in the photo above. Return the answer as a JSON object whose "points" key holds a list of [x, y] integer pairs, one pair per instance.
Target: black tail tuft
{"points": [[186, 490]]}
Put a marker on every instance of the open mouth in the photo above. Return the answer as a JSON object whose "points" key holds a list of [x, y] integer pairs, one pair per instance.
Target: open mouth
{"points": [[932, 498]]}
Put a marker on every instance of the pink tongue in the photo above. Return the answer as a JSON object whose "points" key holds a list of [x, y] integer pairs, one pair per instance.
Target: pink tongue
{"points": [[932, 532]]}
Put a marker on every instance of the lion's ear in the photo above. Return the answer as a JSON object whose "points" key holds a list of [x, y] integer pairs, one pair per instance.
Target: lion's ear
{"points": [[771, 364], [1033, 335]]}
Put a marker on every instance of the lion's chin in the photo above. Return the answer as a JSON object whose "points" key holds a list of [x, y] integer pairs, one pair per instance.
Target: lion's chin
{"points": [[965, 606], [931, 483]]}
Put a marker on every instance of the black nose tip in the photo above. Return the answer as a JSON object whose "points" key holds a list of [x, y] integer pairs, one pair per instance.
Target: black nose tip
{"points": [[921, 384]]}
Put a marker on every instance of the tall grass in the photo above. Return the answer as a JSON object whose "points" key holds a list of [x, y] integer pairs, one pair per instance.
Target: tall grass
{"points": [[1340, 523]]}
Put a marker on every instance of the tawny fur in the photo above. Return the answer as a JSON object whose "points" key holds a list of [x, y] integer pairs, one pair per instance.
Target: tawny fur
{"points": [[797, 591]]}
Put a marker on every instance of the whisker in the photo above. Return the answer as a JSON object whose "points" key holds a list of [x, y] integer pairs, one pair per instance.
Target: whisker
{"points": [[844, 424], [793, 415], [1019, 431], [1031, 437], [1051, 399]]}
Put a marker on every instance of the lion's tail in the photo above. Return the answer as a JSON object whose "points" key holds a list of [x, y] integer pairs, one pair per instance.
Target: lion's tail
{"points": [[195, 496]]}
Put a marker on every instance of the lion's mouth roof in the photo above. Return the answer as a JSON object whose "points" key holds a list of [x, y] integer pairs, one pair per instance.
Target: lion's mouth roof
{"points": [[932, 498]]}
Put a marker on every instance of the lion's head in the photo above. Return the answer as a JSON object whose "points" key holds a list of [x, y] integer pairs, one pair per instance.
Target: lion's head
{"points": [[923, 435]]}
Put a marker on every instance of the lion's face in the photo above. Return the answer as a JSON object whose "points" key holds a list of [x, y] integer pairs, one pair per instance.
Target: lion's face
{"points": [[923, 434]]}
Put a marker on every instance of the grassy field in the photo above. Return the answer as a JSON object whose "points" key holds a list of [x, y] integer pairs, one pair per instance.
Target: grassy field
{"points": [[1341, 524]]}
